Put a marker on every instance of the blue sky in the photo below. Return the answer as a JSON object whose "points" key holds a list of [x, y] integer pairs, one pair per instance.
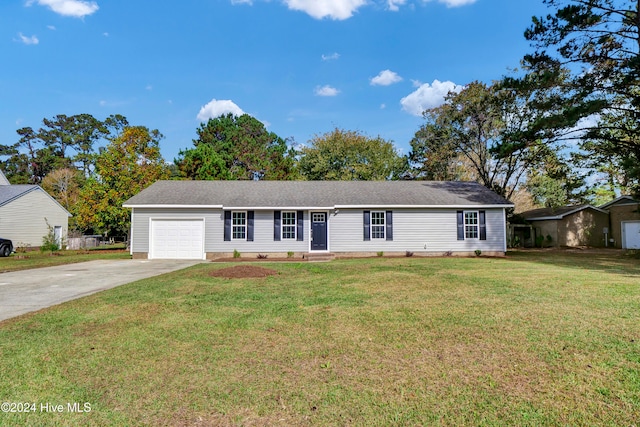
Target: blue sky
{"points": [[302, 67]]}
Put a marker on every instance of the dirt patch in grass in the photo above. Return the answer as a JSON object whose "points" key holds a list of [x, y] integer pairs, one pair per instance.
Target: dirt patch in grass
{"points": [[243, 271]]}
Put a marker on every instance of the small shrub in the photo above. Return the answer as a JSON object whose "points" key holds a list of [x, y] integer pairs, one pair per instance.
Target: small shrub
{"points": [[49, 241], [236, 254], [380, 253], [539, 241], [549, 239], [262, 256], [290, 254], [408, 254], [478, 252]]}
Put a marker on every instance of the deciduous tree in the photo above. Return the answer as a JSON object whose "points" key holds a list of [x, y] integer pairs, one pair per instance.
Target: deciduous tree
{"points": [[64, 185], [350, 155], [470, 137], [130, 163]]}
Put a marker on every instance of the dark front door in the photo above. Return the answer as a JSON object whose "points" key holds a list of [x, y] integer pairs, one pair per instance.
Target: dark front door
{"points": [[318, 231]]}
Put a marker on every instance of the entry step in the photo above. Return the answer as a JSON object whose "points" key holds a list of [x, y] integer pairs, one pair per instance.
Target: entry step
{"points": [[319, 257]]}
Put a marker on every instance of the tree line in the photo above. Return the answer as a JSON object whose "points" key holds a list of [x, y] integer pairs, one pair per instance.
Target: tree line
{"points": [[563, 128], [92, 166]]}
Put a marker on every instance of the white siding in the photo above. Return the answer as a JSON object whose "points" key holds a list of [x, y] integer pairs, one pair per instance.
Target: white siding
{"points": [[262, 237], [24, 220], [214, 231], [415, 230]]}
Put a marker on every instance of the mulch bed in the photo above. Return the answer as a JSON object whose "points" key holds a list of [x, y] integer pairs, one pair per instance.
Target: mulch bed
{"points": [[243, 271]]}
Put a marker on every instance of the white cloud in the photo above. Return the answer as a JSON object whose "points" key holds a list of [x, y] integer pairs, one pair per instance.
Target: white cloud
{"points": [[28, 40], [428, 96], [331, 57], [334, 9], [216, 108], [326, 90], [75, 8], [51, 27], [394, 5], [249, 2], [385, 78]]}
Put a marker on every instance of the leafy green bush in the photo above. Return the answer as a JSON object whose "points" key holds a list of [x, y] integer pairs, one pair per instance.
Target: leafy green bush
{"points": [[49, 241]]}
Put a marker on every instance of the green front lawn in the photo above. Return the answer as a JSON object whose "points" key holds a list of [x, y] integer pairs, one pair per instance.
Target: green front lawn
{"points": [[534, 339]]}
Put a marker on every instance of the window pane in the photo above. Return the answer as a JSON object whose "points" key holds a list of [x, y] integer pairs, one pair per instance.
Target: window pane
{"points": [[471, 225], [377, 224], [239, 222], [239, 218], [289, 225], [377, 232]]}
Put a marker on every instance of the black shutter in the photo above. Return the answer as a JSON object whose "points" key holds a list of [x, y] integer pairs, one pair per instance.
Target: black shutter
{"points": [[227, 226], [366, 226], [250, 226], [277, 225], [460, 215], [300, 225], [483, 225], [389, 225]]}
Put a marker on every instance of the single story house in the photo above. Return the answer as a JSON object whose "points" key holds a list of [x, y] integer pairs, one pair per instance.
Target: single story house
{"points": [[582, 225], [27, 211], [624, 217], [209, 219]]}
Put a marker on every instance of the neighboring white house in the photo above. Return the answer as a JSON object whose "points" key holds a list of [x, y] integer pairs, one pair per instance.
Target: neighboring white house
{"points": [[208, 219], [25, 211]]}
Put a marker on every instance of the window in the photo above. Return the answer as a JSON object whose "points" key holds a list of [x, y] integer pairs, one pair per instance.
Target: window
{"points": [[377, 224], [238, 225], [318, 217], [289, 225], [471, 225]]}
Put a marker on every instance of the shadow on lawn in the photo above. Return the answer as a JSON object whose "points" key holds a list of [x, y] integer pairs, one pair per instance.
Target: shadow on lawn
{"points": [[614, 261]]}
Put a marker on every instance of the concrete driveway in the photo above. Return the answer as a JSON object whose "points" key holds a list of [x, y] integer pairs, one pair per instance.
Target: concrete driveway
{"points": [[30, 290]]}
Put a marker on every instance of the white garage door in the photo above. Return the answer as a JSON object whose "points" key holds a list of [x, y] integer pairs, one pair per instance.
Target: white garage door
{"points": [[631, 235], [177, 239]]}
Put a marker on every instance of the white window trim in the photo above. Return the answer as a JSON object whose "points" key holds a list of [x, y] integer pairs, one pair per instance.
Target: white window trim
{"points": [[245, 226], [295, 225], [476, 225], [383, 225]]}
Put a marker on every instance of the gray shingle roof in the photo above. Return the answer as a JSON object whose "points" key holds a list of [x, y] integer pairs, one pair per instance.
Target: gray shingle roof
{"points": [[12, 192], [555, 213], [307, 194]]}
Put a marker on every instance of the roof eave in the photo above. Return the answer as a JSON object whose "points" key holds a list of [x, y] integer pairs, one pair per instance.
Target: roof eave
{"points": [[160, 205]]}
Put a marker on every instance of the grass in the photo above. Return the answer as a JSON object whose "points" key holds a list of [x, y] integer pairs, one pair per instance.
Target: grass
{"points": [[36, 259], [534, 339]]}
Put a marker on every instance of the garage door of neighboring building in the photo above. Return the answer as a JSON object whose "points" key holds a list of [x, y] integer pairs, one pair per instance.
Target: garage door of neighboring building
{"points": [[177, 239], [631, 234]]}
